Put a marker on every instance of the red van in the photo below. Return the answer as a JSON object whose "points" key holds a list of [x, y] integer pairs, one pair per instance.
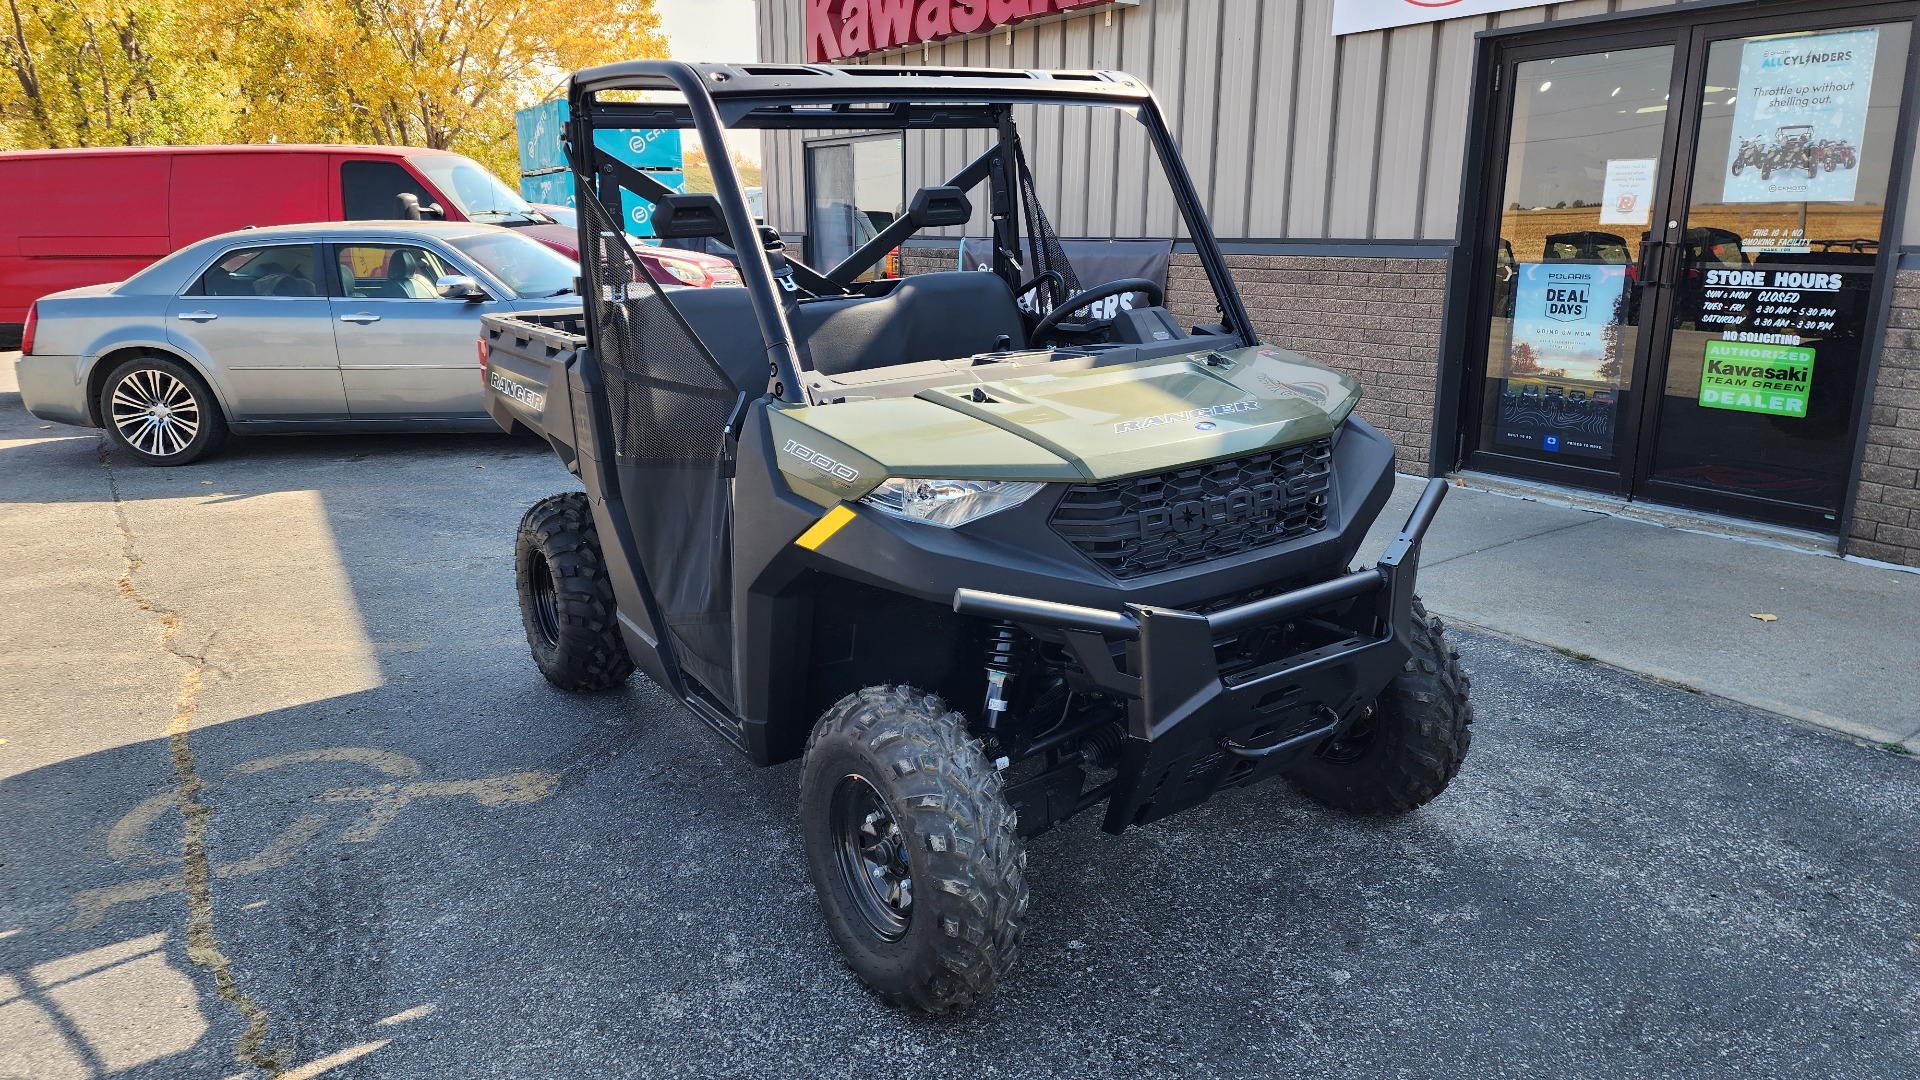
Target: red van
{"points": [[120, 209]]}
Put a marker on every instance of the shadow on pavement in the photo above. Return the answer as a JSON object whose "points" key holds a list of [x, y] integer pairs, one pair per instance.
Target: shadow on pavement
{"points": [[417, 859]]}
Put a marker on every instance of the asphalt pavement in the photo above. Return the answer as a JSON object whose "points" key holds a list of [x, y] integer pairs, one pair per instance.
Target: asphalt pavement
{"points": [[282, 794]]}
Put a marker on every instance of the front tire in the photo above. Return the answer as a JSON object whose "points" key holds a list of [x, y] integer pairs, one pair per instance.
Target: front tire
{"points": [[912, 849], [566, 600], [1411, 747], [159, 411]]}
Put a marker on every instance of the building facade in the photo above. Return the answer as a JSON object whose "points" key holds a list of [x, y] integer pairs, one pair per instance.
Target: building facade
{"points": [[1650, 249]]}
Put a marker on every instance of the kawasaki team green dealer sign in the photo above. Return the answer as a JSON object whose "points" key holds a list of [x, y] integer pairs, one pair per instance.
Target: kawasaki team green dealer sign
{"points": [[1771, 379]]}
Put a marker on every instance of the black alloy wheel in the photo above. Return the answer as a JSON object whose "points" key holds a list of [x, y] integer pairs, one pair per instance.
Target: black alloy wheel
{"points": [[566, 600], [872, 856], [913, 849]]}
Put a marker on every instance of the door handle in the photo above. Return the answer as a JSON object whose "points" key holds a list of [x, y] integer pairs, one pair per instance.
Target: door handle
{"points": [[1657, 268], [363, 317], [198, 316]]}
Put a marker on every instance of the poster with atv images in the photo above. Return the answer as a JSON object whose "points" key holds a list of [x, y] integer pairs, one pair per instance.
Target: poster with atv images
{"points": [[1800, 117], [1563, 374]]}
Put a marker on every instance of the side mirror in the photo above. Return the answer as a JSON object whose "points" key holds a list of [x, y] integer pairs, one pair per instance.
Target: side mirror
{"points": [[408, 206], [434, 211], [688, 217], [459, 287], [938, 207]]}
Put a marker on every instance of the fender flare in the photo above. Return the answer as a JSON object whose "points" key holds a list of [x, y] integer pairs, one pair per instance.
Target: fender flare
{"points": [[93, 368]]}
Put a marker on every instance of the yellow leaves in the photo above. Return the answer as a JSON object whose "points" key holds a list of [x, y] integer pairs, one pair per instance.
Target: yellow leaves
{"points": [[439, 73]]}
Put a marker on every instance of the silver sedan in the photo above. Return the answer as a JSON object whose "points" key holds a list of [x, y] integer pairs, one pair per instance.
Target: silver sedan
{"points": [[355, 326]]}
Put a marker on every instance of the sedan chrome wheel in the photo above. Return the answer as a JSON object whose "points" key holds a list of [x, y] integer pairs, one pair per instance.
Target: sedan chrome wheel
{"points": [[155, 412]]}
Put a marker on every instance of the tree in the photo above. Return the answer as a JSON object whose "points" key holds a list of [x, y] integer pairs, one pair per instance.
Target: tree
{"points": [[1523, 361], [96, 73], [446, 74]]}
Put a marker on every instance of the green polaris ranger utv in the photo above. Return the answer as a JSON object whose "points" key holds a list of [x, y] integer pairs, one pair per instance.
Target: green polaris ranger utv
{"points": [[986, 549]]}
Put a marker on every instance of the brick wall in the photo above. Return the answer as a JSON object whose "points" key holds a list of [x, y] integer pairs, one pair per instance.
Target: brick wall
{"points": [[928, 259], [1376, 320], [1886, 515]]}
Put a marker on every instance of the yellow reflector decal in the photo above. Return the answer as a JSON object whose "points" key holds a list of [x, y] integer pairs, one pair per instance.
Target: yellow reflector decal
{"points": [[825, 528]]}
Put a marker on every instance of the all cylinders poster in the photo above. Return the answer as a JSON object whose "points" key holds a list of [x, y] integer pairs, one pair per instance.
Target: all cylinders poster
{"points": [[1800, 117], [1563, 376]]}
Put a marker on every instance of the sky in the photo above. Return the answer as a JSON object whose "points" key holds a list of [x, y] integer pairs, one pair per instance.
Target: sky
{"points": [[709, 29], [720, 30]]}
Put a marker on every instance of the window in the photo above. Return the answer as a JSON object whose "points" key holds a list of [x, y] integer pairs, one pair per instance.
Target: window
{"points": [[371, 190], [526, 265], [476, 193], [280, 270], [856, 188], [390, 272]]}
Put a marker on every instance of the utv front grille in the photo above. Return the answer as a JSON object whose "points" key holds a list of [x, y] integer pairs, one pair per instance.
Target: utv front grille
{"points": [[1199, 513]]}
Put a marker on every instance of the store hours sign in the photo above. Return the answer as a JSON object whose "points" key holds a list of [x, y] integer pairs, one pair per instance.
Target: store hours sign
{"points": [[845, 29]]}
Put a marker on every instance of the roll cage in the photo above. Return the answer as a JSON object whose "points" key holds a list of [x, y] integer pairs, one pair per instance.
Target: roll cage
{"points": [[722, 97]]}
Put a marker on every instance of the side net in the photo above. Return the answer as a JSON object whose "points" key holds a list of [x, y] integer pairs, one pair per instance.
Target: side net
{"points": [[670, 403], [1043, 246]]}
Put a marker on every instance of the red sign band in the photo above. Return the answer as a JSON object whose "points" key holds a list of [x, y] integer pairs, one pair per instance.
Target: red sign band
{"points": [[842, 29]]}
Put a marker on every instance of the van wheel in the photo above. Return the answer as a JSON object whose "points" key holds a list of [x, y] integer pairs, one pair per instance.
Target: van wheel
{"points": [[159, 411], [912, 848], [566, 600]]}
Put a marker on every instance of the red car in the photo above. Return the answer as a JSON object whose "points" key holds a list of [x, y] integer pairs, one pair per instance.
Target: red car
{"points": [[133, 205], [669, 266]]}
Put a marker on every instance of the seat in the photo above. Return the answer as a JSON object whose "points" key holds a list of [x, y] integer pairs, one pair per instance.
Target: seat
{"points": [[925, 317], [407, 278]]}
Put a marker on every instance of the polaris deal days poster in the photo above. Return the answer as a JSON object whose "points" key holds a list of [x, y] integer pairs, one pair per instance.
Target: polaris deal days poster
{"points": [[1563, 367]]}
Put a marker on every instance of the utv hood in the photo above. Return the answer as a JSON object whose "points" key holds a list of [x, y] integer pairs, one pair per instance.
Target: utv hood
{"points": [[1094, 424]]}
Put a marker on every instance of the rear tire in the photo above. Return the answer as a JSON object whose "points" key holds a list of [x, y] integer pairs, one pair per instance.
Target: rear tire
{"points": [[566, 600], [912, 849], [1407, 752], [158, 411]]}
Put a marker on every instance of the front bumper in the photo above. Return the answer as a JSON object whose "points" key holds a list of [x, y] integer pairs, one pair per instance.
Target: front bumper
{"points": [[1191, 729], [51, 388]]}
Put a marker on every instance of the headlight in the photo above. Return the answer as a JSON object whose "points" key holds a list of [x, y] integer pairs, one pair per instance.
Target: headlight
{"points": [[948, 503], [687, 272]]}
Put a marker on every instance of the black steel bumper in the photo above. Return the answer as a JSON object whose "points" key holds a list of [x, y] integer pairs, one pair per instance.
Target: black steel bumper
{"points": [[1191, 729]]}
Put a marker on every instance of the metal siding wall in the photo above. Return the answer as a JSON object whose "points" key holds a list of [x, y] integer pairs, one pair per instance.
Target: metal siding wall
{"points": [[1273, 121], [1289, 132], [1232, 163], [1358, 109], [1309, 155]]}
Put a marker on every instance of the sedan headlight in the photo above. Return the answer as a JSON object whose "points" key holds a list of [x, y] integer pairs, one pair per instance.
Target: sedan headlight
{"points": [[688, 273], [948, 503]]}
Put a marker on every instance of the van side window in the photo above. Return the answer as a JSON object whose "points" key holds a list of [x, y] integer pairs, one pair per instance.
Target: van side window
{"points": [[371, 190], [280, 270]]}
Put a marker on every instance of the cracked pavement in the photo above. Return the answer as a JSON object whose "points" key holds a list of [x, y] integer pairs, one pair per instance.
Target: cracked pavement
{"points": [[336, 789]]}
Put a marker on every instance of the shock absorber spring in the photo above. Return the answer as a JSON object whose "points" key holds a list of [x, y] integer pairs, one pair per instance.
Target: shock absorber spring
{"points": [[1003, 640]]}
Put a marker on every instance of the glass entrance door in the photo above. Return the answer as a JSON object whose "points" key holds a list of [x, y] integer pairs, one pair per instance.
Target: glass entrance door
{"points": [[1586, 169], [1777, 249], [1675, 295]]}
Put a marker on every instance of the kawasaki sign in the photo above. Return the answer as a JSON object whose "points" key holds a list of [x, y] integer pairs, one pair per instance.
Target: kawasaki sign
{"points": [[844, 29]]}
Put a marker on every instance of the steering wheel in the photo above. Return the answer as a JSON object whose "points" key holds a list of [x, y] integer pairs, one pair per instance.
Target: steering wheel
{"points": [[1056, 319]]}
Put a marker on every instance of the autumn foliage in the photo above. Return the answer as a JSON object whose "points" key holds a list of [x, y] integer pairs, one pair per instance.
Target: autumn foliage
{"points": [[439, 73]]}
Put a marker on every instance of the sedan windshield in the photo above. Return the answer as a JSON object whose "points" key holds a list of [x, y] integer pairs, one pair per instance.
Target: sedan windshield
{"points": [[477, 193], [527, 266]]}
